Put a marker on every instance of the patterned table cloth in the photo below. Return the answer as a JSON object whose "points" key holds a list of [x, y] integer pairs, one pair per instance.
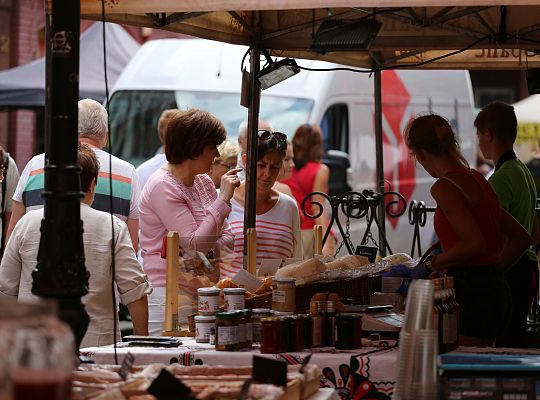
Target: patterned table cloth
{"points": [[367, 373]]}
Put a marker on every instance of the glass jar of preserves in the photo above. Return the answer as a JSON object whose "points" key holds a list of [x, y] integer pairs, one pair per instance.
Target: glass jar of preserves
{"points": [[345, 332], [271, 335], [235, 299], [284, 294], [248, 327], [240, 328], [257, 314], [208, 303], [226, 327], [204, 324]]}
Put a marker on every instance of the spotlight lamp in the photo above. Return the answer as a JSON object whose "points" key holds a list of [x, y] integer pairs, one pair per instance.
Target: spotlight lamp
{"points": [[276, 72]]}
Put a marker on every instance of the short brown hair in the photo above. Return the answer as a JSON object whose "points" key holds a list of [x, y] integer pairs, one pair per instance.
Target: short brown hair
{"points": [[500, 119], [87, 159], [189, 132], [307, 144], [163, 121]]}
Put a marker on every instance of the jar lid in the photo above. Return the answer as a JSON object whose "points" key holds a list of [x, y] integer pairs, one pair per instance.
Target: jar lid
{"points": [[209, 290], [205, 318], [226, 315], [284, 280], [262, 311], [235, 290], [270, 319], [283, 313]]}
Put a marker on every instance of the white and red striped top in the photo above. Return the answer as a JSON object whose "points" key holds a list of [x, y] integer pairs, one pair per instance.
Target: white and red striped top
{"points": [[278, 234]]}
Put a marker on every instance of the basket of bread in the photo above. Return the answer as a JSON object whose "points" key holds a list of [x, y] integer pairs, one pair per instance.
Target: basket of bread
{"points": [[352, 276]]}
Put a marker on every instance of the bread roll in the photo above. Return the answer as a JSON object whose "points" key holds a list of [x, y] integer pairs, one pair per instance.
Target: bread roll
{"points": [[302, 269], [347, 262], [398, 258]]}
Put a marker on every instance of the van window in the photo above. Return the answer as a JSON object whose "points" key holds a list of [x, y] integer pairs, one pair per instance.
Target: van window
{"points": [[335, 127], [134, 115]]}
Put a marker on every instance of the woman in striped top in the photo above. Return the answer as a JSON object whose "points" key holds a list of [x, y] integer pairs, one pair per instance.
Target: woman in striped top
{"points": [[277, 221]]}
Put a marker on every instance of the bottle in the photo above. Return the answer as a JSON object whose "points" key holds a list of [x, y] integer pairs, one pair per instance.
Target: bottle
{"points": [[454, 315], [315, 309], [330, 324]]}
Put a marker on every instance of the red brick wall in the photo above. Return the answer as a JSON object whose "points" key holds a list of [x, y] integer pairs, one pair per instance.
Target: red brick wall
{"points": [[27, 19]]}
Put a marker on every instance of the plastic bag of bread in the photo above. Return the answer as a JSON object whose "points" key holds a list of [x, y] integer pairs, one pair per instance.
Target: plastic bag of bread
{"points": [[347, 262], [398, 258], [301, 269]]}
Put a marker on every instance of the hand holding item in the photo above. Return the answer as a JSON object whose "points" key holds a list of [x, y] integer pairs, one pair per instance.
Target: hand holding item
{"points": [[229, 182]]}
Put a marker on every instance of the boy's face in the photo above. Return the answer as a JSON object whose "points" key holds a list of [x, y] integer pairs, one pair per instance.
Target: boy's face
{"points": [[484, 142]]}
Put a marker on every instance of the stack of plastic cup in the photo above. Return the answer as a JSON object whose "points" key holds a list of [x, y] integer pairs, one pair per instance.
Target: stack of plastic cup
{"points": [[418, 342]]}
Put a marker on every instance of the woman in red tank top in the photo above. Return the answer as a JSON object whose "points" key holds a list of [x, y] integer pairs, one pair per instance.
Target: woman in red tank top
{"points": [[477, 236], [310, 175]]}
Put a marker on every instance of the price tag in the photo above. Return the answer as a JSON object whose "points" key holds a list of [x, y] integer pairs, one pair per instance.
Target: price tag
{"points": [[127, 365], [369, 252], [269, 267], [268, 370], [245, 279], [167, 387]]}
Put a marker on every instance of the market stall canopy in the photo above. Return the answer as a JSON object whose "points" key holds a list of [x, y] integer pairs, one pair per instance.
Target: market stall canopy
{"points": [[24, 86], [412, 31], [528, 116]]}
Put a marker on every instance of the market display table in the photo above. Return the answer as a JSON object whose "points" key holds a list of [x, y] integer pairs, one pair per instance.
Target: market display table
{"points": [[361, 373]]}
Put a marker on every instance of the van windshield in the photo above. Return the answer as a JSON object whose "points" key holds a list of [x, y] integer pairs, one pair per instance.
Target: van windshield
{"points": [[134, 115]]}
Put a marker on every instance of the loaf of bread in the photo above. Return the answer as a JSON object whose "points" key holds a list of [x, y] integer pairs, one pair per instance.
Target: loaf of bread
{"points": [[301, 269], [398, 258], [347, 262]]}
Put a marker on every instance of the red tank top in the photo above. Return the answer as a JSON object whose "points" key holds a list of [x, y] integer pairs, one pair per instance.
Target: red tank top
{"points": [[487, 215], [301, 184]]}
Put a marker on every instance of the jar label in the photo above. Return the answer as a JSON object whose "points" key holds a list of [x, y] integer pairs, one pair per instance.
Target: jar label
{"points": [[278, 296], [249, 331], [226, 335], [241, 333], [208, 304], [235, 302], [202, 331]]}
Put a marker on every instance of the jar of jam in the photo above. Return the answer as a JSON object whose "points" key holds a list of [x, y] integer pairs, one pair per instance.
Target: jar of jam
{"points": [[284, 294], [248, 327], [226, 327], [297, 333], [271, 335], [345, 331], [208, 303], [240, 328], [204, 324], [257, 314], [235, 298]]}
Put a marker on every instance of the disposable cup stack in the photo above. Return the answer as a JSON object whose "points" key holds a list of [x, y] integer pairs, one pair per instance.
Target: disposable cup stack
{"points": [[418, 346]]}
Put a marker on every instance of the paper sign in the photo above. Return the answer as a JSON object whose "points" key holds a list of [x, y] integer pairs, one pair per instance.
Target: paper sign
{"points": [[268, 370], [269, 267], [245, 279], [167, 387], [367, 251]]}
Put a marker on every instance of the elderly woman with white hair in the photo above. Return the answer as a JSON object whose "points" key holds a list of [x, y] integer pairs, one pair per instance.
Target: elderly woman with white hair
{"points": [[228, 154]]}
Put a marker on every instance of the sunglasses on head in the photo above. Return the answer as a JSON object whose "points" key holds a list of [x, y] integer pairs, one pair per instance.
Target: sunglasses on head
{"points": [[267, 135]]}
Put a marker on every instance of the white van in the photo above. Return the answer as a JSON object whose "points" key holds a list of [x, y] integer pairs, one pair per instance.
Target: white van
{"points": [[181, 73]]}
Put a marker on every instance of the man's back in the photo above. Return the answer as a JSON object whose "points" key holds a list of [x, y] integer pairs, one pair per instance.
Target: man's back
{"points": [[21, 256]]}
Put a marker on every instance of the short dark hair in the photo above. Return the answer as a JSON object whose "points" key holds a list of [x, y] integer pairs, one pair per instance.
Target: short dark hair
{"points": [[87, 159], [189, 132], [307, 144], [501, 119], [272, 145]]}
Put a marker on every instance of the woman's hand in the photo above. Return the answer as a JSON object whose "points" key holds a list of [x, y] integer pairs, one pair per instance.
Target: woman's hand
{"points": [[229, 182]]}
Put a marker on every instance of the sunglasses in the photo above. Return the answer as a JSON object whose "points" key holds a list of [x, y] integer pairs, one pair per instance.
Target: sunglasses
{"points": [[229, 167], [265, 135]]}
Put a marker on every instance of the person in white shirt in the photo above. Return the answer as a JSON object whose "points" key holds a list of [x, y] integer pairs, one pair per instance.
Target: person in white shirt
{"points": [[20, 259], [147, 168]]}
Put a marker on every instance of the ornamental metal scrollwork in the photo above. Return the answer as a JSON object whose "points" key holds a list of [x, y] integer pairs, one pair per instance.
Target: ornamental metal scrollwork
{"points": [[418, 217]]}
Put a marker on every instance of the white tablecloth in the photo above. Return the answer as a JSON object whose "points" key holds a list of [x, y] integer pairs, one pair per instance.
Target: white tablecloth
{"points": [[363, 373]]}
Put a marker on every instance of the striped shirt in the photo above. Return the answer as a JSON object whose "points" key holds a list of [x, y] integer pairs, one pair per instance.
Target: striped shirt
{"points": [[125, 186], [278, 233]]}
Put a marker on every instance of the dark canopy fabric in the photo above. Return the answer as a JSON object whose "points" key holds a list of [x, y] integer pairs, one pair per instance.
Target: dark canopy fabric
{"points": [[24, 86]]}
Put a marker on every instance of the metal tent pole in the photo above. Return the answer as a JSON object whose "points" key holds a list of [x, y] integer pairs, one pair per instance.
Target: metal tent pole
{"points": [[379, 158]]}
